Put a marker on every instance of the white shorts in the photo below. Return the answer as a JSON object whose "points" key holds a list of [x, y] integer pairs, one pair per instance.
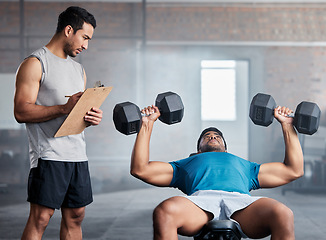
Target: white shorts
{"points": [[222, 204]]}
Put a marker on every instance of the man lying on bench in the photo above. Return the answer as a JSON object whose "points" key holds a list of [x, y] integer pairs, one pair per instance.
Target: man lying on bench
{"points": [[217, 184]]}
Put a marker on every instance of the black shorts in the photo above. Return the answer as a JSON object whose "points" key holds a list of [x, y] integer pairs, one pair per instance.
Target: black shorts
{"points": [[57, 184]]}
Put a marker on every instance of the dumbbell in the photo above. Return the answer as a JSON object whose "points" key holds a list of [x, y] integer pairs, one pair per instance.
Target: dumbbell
{"points": [[127, 117], [306, 117]]}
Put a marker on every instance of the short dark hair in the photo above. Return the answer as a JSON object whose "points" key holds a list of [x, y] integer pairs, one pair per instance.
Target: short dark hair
{"points": [[75, 17], [210, 129]]}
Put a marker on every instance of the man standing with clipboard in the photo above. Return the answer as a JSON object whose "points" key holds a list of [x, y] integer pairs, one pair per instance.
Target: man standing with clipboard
{"points": [[59, 175]]}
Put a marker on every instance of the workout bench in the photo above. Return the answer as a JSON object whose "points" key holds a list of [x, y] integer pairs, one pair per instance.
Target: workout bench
{"points": [[219, 230]]}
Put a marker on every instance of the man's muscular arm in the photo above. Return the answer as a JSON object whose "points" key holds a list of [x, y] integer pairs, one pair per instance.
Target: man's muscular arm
{"points": [[276, 173], [28, 79], [152, 172]]}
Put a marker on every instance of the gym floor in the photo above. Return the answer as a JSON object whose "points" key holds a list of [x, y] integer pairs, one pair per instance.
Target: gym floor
{"points": [[127, 214]]}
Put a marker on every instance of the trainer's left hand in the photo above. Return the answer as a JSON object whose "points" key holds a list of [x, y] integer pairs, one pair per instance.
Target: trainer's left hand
{"points": [[94, 116]]}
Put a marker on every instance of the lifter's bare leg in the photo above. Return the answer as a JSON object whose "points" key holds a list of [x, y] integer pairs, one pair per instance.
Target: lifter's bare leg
{"points": [[266, 217], [178, 215]]}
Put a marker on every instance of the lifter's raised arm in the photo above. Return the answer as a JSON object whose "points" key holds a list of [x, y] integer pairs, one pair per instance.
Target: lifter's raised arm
{"points": [[276, 174], [152, 172]]}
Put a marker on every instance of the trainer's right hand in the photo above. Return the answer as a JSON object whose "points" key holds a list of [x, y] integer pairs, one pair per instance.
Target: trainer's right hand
{"points": [[72, 102]]}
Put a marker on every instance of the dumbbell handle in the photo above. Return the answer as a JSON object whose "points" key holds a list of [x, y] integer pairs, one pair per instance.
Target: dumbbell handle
{"points": [[145, 115], [291, 115]]}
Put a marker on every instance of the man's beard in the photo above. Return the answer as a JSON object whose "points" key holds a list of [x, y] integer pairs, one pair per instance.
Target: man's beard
{"points": [[68, 50], [212, 148]]}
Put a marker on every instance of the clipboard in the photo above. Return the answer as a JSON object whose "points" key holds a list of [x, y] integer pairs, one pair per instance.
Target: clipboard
{"points": [[74, 123]]}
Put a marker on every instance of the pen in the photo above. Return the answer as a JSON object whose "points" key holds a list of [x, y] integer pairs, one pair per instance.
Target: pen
{"points": [[68, 96]]}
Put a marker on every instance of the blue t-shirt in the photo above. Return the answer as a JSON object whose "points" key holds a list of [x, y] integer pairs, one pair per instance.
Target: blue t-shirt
{"points": [[215, 171]]}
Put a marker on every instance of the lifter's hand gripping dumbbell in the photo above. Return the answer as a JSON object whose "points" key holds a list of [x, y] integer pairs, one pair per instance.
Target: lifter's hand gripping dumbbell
{"points": [[150, 113], [305, 119], [282, 114], [127, 116]]}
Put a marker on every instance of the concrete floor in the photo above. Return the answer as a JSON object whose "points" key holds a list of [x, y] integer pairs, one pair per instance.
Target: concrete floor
{"points": [[127, 215]]}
